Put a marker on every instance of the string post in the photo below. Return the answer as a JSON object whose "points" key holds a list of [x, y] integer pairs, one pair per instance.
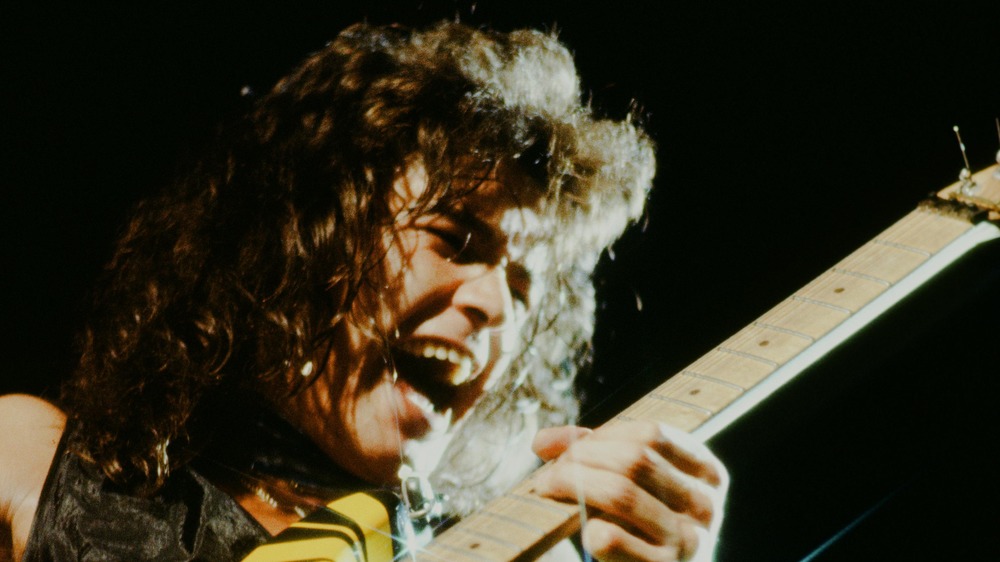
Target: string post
{"points": [[968, 186], [996, 173]]}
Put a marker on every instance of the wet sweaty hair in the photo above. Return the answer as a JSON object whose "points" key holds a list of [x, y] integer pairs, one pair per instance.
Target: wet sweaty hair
{"points": [[245, 268]]}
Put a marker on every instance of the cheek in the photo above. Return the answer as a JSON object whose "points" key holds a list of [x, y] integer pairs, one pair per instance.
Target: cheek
{"points": [[503, 349], [426, 282], [496, 369]]}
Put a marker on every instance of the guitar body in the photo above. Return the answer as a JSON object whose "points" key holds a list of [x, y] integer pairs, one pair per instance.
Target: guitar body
{"points": [[360, 527]]}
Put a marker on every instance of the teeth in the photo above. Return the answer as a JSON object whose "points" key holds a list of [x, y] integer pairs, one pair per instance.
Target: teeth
{"points": [[421, 401], [440, 419], [463, 372], [462, 364]]}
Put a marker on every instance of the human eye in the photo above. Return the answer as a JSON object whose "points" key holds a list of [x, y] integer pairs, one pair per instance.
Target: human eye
{"points": [[519, 281], [454, 241]]}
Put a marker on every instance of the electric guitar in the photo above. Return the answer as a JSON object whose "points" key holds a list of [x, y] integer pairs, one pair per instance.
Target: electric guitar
{"points": [[732, 378]]}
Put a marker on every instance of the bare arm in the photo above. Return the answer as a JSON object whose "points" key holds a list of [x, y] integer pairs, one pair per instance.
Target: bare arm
{"points": [[30, 429]]}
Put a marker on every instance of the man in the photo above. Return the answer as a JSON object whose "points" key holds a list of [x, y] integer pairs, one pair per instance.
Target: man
{"points": [[382, 271]]}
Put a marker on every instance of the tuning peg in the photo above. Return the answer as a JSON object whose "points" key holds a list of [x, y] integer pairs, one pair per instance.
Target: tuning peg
{"points": [[968, 186], [996, 172]]}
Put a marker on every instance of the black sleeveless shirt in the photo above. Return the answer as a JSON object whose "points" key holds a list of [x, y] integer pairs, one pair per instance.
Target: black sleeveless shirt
{"points": [[81, 516]]}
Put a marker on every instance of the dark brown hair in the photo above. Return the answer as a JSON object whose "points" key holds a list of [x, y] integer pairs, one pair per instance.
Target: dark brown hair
{"points": [[247, 265]]}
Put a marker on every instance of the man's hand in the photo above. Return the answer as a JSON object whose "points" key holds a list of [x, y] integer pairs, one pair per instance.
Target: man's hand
{"points": [[652, 491]]}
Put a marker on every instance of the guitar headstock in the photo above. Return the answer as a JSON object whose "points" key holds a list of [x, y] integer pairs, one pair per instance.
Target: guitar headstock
{"points": [[980, 190]]}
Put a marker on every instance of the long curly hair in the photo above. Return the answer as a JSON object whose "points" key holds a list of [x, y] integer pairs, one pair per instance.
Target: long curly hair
{"points": [[245, 267]]}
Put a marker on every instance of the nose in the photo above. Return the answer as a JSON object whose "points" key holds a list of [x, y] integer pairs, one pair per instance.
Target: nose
{"points": [[486, 297]]}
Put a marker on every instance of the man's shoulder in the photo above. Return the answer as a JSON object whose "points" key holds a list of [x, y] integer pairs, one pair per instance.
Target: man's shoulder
{"points": [[15, 408], [30, 429], [28, 426]]}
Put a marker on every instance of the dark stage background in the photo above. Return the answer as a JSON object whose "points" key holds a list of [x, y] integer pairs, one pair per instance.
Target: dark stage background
{"points": [[789, 135]]}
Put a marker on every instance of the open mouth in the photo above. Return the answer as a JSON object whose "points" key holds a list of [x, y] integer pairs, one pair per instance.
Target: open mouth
{"points": [[435, 369]]}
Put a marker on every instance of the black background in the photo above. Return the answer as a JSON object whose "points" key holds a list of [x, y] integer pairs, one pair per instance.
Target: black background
{"points": [[789, 134]]}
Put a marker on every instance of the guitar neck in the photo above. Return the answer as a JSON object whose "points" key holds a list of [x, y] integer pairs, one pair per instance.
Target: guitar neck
{"points": [[730, 379]]}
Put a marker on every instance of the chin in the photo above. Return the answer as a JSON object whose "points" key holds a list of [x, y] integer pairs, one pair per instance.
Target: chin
{"points": [[424, 455]]}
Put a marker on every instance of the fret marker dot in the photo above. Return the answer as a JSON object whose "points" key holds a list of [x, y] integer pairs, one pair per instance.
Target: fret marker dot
{"points": [[838, 290], [474, 546], [695, 391], [764, 343]]}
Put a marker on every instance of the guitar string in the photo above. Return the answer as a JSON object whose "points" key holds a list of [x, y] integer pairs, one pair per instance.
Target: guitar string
{"points": [[902, 230]]}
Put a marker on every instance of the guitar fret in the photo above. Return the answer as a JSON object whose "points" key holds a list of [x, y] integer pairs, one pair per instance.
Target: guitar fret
{"points": [[678, 415], [846, 311], [524, 497], [850, 293], [684, 403], [784, 331], [491, 525], [860, 275], [707, 394], [489, 537], [712, 379], [732, 368], [928, 230], [461, 549], [750, 356], [510, 520], [804, 317], [884, 262], [903, 247], [775, 346]]}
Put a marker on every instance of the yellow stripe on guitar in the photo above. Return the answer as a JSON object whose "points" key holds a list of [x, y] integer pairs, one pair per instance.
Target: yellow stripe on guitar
{"points": [[331, 534]]}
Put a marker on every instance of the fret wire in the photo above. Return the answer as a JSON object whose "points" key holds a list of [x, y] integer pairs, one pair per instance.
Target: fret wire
{"points": [[931, 231], [680, 402], [727, 365], [790, 313], [799, 298], [512, 520], [846, 291], [426, 553], [903, 247], [713, 379], [830, 278], [757, 341], [673, 386], [682, 417], [913, 222], [439, 543], [784, 331], [535, 501], [710, 398], [911, 226], [748, 356], [526, 508], [487, 536], [872, 258], [860, 275]]}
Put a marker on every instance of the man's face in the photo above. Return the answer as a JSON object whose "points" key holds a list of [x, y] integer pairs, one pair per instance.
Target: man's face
{"points": [[458, 287]]}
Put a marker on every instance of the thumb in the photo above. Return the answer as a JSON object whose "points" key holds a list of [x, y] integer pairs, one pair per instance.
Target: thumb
{"points": [[551, 442]]}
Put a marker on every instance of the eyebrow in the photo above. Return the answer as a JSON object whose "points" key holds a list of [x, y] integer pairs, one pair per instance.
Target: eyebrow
{"points": [[516, 271], [479, 228]]}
